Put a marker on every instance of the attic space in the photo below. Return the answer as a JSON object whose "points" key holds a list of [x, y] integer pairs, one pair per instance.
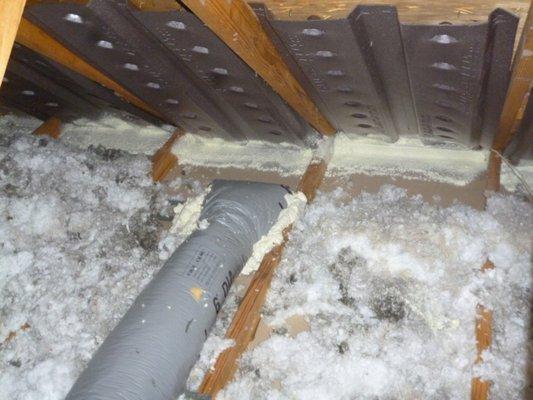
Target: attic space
{"points": [[277, 200]]}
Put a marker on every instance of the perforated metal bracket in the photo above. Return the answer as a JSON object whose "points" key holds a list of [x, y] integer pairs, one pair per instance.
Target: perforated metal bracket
{"points": [[95, 93], [338, 64], [457, 79], [28, 88], [373, 76], [83, 30], [73, 94], [367, 73], [175, 64], [257, 111]]}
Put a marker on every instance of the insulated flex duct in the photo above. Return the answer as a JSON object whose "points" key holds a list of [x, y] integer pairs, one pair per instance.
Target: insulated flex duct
{"points": [[151, 351]]}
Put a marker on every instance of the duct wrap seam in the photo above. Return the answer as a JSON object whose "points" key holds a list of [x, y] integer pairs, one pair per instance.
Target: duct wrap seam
{"points": [[151, 351]]}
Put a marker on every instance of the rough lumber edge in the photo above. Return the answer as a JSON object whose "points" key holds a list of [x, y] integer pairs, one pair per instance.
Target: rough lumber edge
{"points": [[33, 37], [246, 319], [164, 160], [10, 14], [50, 127], [238, 26]]}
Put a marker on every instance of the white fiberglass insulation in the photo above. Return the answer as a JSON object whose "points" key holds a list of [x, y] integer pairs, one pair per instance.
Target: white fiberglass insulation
{"points": [[389, 286], [387, 283], [79, 238]]}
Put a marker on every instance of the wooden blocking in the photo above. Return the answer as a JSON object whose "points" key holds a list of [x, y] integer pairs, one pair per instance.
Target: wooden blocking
{"points": [[238, 26], [164, 160], [312, 179], [10, 14], [33, 37], [494, 171], [51, 127]]}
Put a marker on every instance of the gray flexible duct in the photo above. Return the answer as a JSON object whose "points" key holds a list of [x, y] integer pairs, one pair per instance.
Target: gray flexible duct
{"points": [[149, 354]]}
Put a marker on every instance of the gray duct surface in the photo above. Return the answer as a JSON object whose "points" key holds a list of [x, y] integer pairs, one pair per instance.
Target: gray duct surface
{"points": [[149, 354]]}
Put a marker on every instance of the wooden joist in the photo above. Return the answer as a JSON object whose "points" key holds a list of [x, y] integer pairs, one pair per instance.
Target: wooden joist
{"points": [[246, 319], [238, 26], [164, 160], [483, 328], [33, 37], [51, 127], [10, 14]]}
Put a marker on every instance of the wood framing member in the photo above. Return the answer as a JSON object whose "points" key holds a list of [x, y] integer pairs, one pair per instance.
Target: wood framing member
{"points": [[246, 319], [33, 37], [10, 14], [51, 127], [164, 160], [483, 328], [238, 26]]}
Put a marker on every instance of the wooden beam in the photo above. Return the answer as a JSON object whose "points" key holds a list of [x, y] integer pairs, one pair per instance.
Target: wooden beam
{"points": [[238, 26], [163, 161], [33, 37], [51, 127], [10, 14], [480, 388], [246, 319], [493, 172]]}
